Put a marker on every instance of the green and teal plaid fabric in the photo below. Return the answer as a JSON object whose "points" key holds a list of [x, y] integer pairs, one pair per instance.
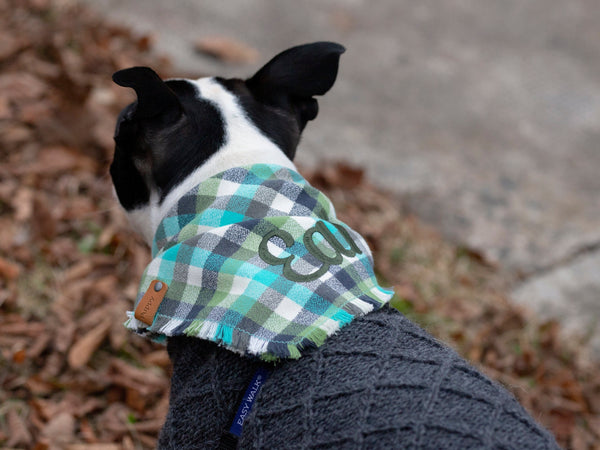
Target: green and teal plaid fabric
{"points": [[255, 259]]}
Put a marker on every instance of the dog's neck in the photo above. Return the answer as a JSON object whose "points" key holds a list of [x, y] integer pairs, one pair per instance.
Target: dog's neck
{"points": [[244, 145]]}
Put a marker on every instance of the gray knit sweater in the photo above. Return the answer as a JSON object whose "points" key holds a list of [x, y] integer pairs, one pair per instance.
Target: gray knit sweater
{"points": [[381, 382]]}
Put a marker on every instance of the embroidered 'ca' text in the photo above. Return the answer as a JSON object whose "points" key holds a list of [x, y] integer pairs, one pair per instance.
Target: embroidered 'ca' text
{"points": [[320, 227]]}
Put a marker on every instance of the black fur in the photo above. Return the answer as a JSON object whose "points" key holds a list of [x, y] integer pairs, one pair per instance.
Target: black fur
{"points": [[154, 97], [170, 130], [163, 142]]}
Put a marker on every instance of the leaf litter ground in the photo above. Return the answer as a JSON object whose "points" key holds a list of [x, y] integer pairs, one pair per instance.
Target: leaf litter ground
{"points": [[72, 377]]}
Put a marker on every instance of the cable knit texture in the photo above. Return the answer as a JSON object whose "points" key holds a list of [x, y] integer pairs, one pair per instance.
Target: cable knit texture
{"points": [[382, 382]]}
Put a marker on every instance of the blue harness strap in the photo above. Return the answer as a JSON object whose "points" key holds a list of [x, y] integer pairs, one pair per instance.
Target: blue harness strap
{"points": [[230, 438]]}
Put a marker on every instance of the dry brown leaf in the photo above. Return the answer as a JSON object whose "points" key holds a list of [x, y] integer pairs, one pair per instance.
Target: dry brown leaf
{"points": [[81, 352], [11, 44], [127, 443], [144, 380], [158, 358], [86, 405], [19, 434], [87, 432], [9, 270], [39, 344], [44, 407], [39, 385], [42, 444], [54, 160], [348, 177], [64, 335], [342, 20], [5, 109], [147, 441], [32, 113], [227, 49], [93, 447], [23, 204], [13, 134], [60, 430], [79, 270], [106, 287], [44, 222], [563, 425], [147, 426], [582, 439], [23, 328], [94, 316], [118, 333], [19, 356], [22, 86], [136, 400]]}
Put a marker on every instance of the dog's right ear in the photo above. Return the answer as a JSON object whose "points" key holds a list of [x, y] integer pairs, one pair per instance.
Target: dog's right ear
{"points": [[302, 71], [153, 95], [293, 77]]}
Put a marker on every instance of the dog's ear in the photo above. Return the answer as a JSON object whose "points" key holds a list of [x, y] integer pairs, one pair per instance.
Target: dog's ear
{"points": [[154, 97], [293, 77], [138, 150]]}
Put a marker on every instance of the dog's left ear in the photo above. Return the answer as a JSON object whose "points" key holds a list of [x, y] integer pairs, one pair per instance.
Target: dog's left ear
{"points": [[293, 77], [153, 95]]}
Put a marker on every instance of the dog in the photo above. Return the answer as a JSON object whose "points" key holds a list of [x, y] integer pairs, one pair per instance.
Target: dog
{"points": [[368, 378]]}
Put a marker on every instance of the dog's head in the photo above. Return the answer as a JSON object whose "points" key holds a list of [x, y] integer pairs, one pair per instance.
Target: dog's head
{"points": [[180, 131]]}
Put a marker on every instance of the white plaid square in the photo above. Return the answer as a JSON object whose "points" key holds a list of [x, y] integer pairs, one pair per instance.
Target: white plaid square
{"points": [[282, 203], [227, 187], [288, 309]]}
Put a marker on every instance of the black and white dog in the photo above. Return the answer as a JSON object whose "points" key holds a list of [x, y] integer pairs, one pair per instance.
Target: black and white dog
{"points": [[381, 381]]}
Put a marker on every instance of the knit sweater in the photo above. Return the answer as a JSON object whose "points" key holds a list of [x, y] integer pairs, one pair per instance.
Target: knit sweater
{"points": [[381, 382]]}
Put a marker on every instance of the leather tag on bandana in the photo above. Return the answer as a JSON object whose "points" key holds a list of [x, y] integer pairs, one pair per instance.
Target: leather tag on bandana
{"points": [[146, 309]]}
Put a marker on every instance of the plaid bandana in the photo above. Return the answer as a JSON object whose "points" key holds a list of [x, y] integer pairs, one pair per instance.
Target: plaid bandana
{"points": [[254, 258]]}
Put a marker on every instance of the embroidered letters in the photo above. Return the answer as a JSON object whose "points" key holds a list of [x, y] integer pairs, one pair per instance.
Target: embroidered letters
{"points": [[328, 260]]}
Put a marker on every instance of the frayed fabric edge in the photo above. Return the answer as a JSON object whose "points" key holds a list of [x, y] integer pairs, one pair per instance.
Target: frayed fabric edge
{"points": [[241, 342]]}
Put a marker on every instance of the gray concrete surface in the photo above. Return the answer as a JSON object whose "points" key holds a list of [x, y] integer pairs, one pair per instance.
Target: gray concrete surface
{"points": [[485, 115], [573, 283]]}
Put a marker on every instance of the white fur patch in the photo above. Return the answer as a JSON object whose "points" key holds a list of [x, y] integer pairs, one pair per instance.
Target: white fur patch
{"points": [[140, 222], [244, 145]]}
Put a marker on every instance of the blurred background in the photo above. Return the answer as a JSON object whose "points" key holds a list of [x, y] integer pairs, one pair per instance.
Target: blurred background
{"points": [[461, 138]]}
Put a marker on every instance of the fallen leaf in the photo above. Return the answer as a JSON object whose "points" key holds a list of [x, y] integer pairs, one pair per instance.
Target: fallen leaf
{"points": [[22, 86], [158, 358], [19, 434], [57, 159], [227, 49], [24, 328], [342, 20], [81, 352], [146, 381], [93, 447], [45, 225], [23, 204], [88, 434], [11, 44], [60, 430], [19, 356], [9, 270]]}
